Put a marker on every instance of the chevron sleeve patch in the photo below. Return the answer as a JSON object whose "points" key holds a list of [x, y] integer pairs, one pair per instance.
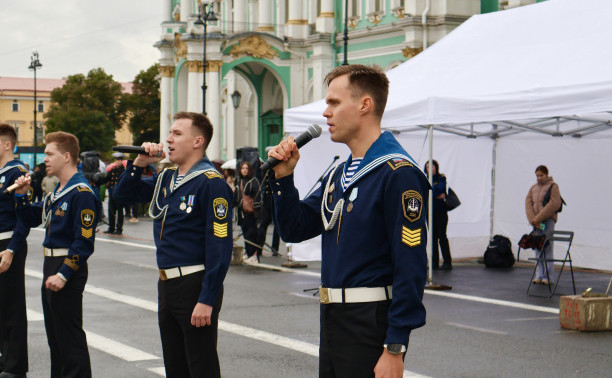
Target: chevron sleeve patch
{"points": [[220, 229], [411, 238]]}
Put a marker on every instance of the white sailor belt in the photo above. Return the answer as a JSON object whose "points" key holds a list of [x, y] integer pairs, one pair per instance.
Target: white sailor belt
{"points": [[355, 294], [179, 271], [6, 235], [55, 252]]}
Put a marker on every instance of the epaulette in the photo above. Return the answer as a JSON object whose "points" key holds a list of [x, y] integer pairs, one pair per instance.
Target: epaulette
{"points": [[22, 168], [83, 189], [396, 163], [212, 174], [173, 168]]}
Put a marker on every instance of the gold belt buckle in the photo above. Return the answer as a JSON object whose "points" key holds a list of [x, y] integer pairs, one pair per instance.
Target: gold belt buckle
{"points": [[162, 275], [324, 295]]}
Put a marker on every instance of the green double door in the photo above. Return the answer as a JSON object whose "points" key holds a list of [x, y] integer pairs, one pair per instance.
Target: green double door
{"points": [[271, 131]]}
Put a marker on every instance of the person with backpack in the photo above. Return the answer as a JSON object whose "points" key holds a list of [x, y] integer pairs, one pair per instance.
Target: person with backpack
{"points": [[542, 204], [249, 201]]}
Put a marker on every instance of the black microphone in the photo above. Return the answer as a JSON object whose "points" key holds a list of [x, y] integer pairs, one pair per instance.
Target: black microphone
{"points": [[313, 131], [133, 150]]}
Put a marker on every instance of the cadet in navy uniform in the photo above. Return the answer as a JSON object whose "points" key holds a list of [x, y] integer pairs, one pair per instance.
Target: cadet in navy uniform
{"points": [[371, 214], [13, 320], [191, 206], [70, 215]]}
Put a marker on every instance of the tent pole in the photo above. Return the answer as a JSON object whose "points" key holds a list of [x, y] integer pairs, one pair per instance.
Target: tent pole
{"points": [[493, 173], [430, 208]]}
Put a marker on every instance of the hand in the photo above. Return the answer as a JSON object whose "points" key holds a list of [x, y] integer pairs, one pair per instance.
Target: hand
{"points": [[55, 283], [288, 154], [201, 315], [152, 158], [24, 184], [6, 258], [389, 366]]}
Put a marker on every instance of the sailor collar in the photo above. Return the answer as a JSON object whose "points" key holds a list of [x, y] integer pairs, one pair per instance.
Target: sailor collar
{"points": [[12, 164], [77, 180], [384, 148]]}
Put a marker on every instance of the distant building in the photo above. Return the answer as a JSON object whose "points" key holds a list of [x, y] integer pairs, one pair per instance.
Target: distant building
{"points": [[274, 54], [17, 109]]}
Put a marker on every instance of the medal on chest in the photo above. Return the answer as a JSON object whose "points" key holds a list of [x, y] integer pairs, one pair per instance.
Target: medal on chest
{"points": [[183, 205], [190, 203], [352, 198], [2, 181]]}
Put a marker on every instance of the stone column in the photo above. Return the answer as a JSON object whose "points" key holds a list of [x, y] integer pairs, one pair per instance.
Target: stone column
{"points": [[186, 10], [194, 86], [166, 101], [322, 59], [167, 13], [265, 16], [213, 102], [297, 25], [325, 19], [240, 16], [230, 119]]}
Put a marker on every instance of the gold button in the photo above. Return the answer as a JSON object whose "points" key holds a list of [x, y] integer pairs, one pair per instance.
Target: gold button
{"points": [[279, 192]]}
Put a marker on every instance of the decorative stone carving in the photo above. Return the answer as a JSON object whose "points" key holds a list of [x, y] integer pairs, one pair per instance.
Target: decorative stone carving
{"points": [[375, 17], [213, 65], [195, 66], [411, 52], [254, 46], [181, 47], [399, 12], [166, 71], [353, 21]]}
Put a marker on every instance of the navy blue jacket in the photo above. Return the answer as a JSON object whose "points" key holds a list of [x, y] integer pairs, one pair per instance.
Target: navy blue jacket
{"points": [[438, 187], [202, 235], [380, 237], [8, 217], [71, 220]]}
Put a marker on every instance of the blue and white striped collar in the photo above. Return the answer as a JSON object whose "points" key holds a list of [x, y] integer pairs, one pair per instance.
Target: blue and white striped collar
{"points": [[386, 147]]}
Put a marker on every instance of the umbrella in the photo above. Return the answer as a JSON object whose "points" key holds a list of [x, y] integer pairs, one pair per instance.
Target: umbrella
{"points": [[230, 164]]}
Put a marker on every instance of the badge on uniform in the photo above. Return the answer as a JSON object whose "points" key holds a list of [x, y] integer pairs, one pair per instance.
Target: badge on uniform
{"points": [[61, 211], [220, 207], [412, 238], [2, 181], [87, 217], [352, 198], [412, 203], [220, 229], [190, 202], [183, 205]]}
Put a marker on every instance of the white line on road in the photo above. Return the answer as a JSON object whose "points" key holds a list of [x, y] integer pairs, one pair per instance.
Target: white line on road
{"points": [[530, 319], [498, 302], [106, 345], [485, 330], [112, 241], [285, 342]]}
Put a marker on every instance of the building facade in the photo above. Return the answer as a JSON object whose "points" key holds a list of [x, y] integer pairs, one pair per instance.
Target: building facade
{"points": [[264, 56], [17, 109]]}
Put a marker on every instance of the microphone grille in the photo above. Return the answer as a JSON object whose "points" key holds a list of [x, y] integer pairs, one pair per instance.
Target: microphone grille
{"points": [[314, 130]]}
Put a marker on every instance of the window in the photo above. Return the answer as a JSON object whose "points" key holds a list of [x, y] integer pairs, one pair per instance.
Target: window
{"points": [[41, 107], [15, 106]]}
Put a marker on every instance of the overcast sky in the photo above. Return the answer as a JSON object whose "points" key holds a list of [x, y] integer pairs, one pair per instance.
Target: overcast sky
{"points": [[74, 36]]}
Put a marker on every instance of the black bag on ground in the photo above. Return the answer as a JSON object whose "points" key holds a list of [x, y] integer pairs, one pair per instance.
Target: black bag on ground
{"points": [[499, 253]]}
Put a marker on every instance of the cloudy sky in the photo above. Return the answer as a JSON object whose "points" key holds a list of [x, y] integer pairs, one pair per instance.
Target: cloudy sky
{"points": [[74, 36]]}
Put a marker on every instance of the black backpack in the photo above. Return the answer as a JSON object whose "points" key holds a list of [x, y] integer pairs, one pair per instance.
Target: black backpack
{"points": [[547, 199], [499, 253]]}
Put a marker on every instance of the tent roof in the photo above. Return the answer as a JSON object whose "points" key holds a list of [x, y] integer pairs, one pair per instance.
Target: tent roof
{"points": [[542, 67]]}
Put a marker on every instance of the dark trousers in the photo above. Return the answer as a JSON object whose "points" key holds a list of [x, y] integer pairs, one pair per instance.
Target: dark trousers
{"points": [[63, 312], [352, 338], [188, 351], [13, 320], [440, 221], [250, 232], [115, 215], [266, 219]]}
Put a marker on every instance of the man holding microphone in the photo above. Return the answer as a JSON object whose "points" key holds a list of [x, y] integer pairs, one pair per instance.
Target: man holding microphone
{"points": [[192, 209], [371, 214]]}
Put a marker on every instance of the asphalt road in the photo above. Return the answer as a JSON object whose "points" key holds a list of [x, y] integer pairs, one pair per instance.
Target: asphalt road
{"points": [[269, 325]]}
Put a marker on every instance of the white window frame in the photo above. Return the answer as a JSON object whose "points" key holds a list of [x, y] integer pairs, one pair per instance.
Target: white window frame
{"points": [[40, 106], [13, 108]]}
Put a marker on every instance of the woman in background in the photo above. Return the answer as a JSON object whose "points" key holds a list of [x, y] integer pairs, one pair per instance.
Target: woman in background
{"points": [[440, 219]]}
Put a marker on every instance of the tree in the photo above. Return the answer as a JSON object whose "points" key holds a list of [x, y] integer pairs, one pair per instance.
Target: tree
{"points": [[143, 105], [88, 107]]}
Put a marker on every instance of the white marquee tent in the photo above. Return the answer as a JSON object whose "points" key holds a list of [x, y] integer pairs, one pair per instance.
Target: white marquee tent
{"points": [[504, 92]]}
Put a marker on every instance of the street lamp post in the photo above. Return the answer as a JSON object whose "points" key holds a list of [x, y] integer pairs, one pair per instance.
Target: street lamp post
{"points": [[206, 14], [34, 65], [345, 62]]}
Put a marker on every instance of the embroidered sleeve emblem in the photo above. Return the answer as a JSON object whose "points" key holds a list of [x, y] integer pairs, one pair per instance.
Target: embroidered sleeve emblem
{"points": [[220, 207], [412, 203], [87, 217], [220, 229]]}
